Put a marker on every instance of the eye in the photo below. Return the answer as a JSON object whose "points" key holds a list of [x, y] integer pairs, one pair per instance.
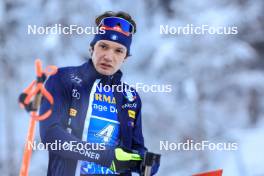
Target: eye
{"points": [[103, 46], [119, 51]]}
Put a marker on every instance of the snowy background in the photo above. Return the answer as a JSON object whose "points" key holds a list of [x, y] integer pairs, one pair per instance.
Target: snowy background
{"points": [[217, 80]]}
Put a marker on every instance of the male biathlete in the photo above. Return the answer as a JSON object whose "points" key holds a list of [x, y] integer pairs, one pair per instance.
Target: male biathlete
{"points": [[97, 123]]}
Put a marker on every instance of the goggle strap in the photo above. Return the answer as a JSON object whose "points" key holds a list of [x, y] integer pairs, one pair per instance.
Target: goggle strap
{"points": [[118, 29]]}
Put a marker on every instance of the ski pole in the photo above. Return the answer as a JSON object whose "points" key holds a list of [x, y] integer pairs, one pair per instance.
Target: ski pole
{"points": [[30, 99], [148, 161]]}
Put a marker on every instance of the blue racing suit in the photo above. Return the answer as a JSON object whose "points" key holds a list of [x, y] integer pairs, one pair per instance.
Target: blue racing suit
{"points": [[85, 113]]}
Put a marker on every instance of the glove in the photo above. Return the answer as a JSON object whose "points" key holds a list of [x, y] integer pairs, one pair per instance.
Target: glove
{"points": [[125, 161]]}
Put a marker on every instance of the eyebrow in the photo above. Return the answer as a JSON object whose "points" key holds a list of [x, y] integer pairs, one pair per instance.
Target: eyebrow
{"points": [[120, 48], [103, 43]]}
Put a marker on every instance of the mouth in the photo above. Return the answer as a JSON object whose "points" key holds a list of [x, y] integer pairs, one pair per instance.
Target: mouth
{"points": [[106, 66]]}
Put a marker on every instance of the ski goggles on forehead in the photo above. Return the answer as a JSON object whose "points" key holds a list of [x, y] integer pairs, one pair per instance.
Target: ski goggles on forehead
{"points": [[112, 22]]}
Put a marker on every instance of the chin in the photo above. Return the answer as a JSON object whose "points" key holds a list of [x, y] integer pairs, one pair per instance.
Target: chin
{"points": [[105, 72]]}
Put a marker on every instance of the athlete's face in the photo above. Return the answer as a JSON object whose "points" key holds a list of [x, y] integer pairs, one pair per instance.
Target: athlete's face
{"points": [[108, 56]]}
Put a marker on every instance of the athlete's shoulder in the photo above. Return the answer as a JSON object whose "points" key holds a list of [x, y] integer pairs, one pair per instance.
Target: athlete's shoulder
{"points": [[68, 75], [70, 70]]}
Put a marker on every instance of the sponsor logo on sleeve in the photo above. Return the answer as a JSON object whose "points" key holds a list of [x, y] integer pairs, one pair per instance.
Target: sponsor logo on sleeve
{"points": [[129, 105], [75, 78], [72, 112], [131, 124], [76, 94], [131, 114]]}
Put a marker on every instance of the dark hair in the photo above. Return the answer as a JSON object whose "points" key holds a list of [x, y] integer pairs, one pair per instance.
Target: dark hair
{"points": [[120, 14]]}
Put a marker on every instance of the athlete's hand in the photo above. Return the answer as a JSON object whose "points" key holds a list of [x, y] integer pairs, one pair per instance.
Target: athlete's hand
{"points": [[125, 160]]}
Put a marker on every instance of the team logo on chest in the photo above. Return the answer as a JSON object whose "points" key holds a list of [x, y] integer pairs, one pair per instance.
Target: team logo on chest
{"points": [[130, 95]]}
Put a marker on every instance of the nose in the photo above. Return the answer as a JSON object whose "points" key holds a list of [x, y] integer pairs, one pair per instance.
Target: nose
{"points": [[108, 56]]}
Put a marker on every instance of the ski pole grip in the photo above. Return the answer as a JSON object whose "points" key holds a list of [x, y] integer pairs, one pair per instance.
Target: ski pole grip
{"points": [[151, 158], [148, 161], [31, 97]]}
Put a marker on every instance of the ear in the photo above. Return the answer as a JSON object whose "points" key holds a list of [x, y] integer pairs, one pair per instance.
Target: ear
{"points": [[91, 51], [127, 56], [125, 59]]}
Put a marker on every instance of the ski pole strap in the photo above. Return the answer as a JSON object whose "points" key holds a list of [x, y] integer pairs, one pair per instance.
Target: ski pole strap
{"points": [[30, 98]]}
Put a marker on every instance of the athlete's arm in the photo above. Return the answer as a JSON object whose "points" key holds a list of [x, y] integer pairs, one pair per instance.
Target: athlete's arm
{"points": [[52, 129], [138, 140]]}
